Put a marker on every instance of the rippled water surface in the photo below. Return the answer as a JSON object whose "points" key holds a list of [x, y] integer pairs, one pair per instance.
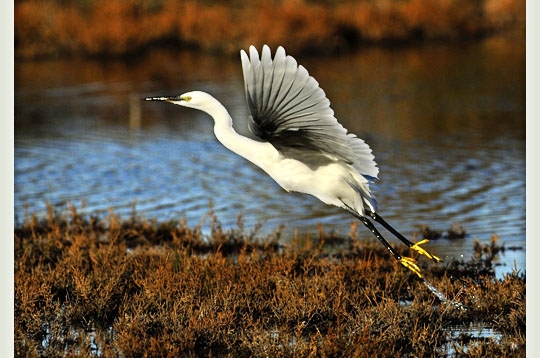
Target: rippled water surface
{"points": [[446, 124]]}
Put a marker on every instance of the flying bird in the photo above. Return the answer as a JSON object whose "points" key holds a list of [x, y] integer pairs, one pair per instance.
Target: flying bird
{"points": [[299, 142]]}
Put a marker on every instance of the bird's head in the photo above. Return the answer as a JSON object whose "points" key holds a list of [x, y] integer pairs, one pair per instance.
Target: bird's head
{"points": [[195, 99]]}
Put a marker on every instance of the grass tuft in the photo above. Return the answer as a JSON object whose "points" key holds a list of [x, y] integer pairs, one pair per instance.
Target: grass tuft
{"points": [[87, 285]]}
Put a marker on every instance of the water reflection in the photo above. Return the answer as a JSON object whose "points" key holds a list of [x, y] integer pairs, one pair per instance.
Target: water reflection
{"points": [[447, 126]]}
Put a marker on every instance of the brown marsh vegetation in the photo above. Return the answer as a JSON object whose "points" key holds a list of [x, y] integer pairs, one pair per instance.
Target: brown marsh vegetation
{"points": [[135, 288], [45, 28]]}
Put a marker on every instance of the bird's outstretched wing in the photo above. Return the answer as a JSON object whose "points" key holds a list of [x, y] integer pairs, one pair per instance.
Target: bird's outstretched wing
{"points": [[291, 111]]}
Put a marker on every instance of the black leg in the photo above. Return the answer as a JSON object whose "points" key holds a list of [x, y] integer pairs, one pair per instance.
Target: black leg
{"points": [[414, 246], [405, 261], [396, 233], [379, 237]]}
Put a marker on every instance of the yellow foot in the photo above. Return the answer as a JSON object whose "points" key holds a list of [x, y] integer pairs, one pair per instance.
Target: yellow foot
{"points": [[409, 263], [416, 247]]}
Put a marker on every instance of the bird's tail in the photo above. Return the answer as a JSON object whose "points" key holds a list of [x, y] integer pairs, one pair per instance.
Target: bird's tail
{"points": [[368, 202]]}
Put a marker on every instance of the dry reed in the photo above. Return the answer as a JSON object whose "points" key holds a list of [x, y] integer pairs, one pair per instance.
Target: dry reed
{"points": [[137, 288], [45, 28]]}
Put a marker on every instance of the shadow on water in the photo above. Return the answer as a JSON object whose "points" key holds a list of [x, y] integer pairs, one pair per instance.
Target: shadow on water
{"points": [[446, 124]]}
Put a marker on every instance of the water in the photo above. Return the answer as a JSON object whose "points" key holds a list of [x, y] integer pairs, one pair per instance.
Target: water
{"points": [[446, 124]]}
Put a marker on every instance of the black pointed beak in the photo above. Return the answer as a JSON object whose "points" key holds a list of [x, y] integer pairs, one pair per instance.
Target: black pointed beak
{"points": [[163, 98]]}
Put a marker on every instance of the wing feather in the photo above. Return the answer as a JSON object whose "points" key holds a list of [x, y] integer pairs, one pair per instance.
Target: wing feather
{"points": [[289, 109]]}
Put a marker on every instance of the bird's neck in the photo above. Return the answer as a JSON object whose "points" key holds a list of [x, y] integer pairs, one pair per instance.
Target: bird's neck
{"points": [[256, 152], [223, 124]]}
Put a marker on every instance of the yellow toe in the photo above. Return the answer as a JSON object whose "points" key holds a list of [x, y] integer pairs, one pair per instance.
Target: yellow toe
{"points": [[416, 247], [409, 263]]}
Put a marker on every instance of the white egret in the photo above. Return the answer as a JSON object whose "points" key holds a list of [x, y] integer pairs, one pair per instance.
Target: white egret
{"points": [[300, 143]]}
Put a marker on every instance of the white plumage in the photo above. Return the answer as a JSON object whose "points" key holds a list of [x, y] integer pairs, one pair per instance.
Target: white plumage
{"points": [[301, 145]]}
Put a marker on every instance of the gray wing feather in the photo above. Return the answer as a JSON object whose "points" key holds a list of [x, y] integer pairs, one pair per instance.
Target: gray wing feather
{"points": [[289, 109]]}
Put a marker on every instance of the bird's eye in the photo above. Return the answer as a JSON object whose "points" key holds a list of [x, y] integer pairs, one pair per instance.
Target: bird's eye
{"points": [[186, 98]]}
